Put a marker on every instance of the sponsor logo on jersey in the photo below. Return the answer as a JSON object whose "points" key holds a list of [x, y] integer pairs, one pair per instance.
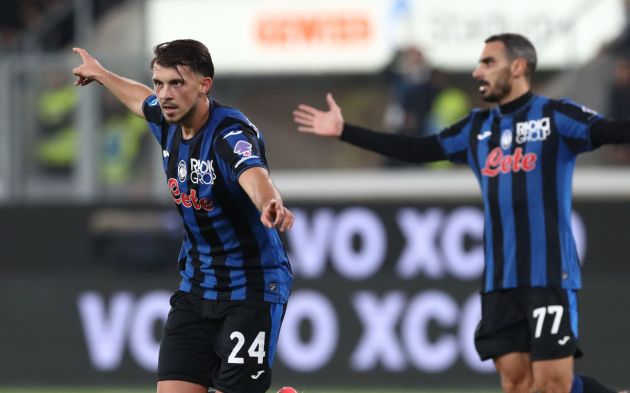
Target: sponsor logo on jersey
{"points": [[188, 200], [182, 172], [243, 149], [201, 171], [497, 162], [533, 130]]}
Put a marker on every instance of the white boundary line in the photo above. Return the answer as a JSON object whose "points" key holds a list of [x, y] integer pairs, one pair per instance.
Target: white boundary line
{"points": [[428, 184]]}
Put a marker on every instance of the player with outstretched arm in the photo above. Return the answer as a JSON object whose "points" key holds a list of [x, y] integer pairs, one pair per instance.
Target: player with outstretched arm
{"points": [[523, 153], [225, 318]]}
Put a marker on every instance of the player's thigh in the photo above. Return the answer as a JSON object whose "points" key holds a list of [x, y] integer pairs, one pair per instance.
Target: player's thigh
{"points": [[503, 328], [180, 387], [554, 375], [515, 371], [246, 344], [552, 318], [186, 351]]}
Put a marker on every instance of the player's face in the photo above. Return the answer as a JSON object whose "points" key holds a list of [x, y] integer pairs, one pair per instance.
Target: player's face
{"points": [[494, 73], [179, 91]]}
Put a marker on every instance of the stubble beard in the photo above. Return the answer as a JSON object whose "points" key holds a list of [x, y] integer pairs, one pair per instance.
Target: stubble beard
{"points": [[185, 118], [501, 89]]}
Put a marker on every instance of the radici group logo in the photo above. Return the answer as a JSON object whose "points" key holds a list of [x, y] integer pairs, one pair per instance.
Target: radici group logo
{"points": [[202, 172]]}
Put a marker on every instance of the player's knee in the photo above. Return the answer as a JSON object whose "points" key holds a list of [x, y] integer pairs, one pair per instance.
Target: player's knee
{"points": [[516, 384], [554, 384]]}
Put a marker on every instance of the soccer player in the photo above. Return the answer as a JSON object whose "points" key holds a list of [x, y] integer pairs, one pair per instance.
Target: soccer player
{"points": [[522, 152], [224, 322]]}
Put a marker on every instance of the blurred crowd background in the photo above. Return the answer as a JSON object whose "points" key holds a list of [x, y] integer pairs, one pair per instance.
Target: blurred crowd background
{"points": [[58, 141]]}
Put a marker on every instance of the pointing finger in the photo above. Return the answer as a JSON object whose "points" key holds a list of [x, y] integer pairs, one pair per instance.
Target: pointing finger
{"points": [[82, 53]]}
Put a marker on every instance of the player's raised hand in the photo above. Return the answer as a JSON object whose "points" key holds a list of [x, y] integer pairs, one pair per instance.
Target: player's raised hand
{"points": [[89, 70], [324, 123], [275, 215]]}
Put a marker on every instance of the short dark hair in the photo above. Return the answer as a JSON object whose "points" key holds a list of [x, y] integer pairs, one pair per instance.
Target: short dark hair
{"points": [[517, 46], [189, 53]]}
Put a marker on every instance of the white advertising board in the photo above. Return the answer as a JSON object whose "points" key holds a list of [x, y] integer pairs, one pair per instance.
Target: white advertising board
{"points": [[349, 36]]}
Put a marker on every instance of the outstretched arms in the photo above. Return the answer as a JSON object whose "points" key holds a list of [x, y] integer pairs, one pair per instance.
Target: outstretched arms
{"points": [[330, 123], [324, 123], [131, 93], [258, 186], [610, 132]]}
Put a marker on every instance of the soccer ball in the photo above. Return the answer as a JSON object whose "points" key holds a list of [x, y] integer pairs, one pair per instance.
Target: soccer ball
{"points": [[287, 389]]}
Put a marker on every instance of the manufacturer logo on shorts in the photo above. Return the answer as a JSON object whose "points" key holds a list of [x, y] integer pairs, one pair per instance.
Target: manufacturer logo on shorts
{"points": [[564, 340], [257, 375]]}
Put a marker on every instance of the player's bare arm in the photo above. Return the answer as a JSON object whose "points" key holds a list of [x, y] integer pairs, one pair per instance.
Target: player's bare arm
{"points": [[324, 123], [258, 185], [131, 93]]}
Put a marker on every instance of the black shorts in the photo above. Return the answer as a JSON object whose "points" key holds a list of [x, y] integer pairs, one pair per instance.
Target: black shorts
{"points": [[540, 321], [227, 345]]}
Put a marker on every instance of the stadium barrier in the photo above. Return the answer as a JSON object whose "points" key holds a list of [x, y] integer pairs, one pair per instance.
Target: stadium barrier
{"points": [[385, 292]]}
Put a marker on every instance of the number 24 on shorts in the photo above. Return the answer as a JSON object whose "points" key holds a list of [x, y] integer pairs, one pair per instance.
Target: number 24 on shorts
{"points": [[255, 350]]}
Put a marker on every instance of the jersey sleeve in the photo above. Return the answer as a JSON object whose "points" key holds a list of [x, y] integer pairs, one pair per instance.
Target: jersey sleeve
{"points": [[454, 140], [241, 148], [153, 115], [403, 147], [573, 122]]}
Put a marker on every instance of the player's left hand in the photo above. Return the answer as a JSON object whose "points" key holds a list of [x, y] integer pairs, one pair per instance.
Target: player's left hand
{"points": [[275, 215]]}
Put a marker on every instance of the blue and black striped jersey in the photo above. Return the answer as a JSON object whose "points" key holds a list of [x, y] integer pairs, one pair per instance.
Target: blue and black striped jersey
{"points": [[227, 253], [524, 162]]}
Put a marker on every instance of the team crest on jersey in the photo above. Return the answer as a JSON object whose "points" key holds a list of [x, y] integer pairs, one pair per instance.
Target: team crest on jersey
{"points": [[202, 172], [182, 172], [533, 130], [506, 139]]}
